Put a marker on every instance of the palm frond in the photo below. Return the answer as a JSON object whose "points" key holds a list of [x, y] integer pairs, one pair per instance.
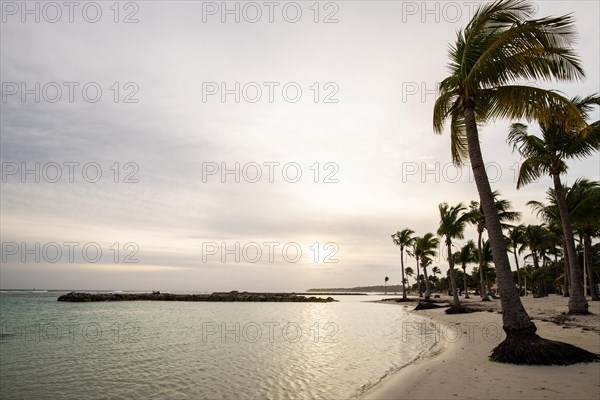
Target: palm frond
{"points": [[533, 104]]}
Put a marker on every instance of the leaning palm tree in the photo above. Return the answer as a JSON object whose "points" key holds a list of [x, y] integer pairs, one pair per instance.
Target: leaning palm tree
{"points": [[465, 256], [514, 240], [403, 239], [560, 141], [426, 249], [452, 225], [499, 46]]}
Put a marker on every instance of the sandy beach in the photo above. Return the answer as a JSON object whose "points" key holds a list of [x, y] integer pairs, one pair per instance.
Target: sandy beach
{"points": [[462, 370]]}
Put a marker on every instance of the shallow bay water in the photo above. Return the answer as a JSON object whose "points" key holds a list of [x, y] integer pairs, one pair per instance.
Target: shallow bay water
{"points": [[153, 349]]}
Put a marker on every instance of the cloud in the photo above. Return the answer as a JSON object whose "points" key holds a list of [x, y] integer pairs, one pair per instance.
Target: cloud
{"points": [[376, 141]]}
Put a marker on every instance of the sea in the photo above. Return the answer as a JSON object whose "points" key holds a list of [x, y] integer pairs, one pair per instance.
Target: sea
{"points": [[202, 350]]}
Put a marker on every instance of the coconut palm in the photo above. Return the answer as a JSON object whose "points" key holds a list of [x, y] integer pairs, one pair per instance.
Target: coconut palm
{"points": [[426, 249], [426, 262], [547, 155], [501, 45], [485, 258], [537, 277], [554, 248], [534, 239], [551, 216], [409, 273], [514, 241], [477, 217], [583, 202], [403, 239], [465, 256], [452, 225], [415, 253]]}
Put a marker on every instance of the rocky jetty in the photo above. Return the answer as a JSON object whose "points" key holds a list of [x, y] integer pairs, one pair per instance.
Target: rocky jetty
{"points": [[218, 296]]}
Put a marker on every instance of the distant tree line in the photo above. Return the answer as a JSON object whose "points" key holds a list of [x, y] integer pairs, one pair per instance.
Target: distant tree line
{"points": [[377, 288]]}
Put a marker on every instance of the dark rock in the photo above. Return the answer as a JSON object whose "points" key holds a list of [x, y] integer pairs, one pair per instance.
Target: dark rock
{"points": [[427, 305], [218, 296], [458, 310]]}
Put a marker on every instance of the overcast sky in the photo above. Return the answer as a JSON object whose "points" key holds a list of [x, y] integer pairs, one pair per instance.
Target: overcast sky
{"points": [[335, 117]]}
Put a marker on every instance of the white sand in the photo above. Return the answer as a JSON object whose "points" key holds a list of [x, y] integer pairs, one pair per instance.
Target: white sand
{"points": [[462, 369]]}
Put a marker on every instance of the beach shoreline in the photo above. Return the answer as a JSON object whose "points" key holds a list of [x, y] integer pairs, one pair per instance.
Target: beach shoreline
{"points": [[461, 369]]}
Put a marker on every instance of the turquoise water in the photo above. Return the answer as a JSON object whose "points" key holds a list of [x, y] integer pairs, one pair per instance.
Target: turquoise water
{"points": [[199, 350]]}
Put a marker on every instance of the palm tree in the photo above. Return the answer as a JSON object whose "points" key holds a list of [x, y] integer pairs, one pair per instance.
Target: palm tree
{"points": [[514, 240], [535, 238], [385, 283], [426, 249], [403, 238], [426, 262], [415, 253], [536, 277], [551, 216], [409, 273], [485, 258], [452, 226], [436, 271], [477, 217], [583, 202], [548, 155], [554, 243], [501, 45], [465, 256]]}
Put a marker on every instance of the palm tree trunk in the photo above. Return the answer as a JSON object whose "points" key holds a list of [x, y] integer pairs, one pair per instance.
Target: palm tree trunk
{"points": [[464, 268], [587, 248], [427, 292], [516, 321], [455, 299], [577, 302], [487, 282], [536, 265], [402, 265], [484, 294], [567, 272], [518, 271], [556, 271], [419, 280]]}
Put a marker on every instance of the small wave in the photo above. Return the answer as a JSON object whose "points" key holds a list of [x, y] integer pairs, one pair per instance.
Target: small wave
{"points": [[428, 352]]}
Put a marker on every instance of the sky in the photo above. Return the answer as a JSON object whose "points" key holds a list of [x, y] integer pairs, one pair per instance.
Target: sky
{"points": [[209, 146]]}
